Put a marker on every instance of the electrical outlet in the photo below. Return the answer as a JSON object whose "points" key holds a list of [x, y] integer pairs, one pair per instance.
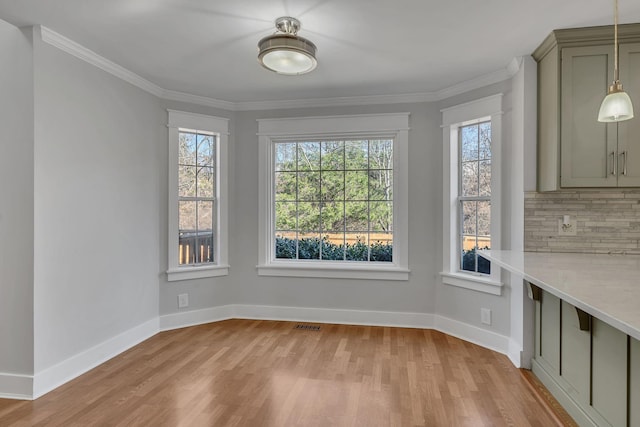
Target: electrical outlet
{"points": [[183, 300], [485, 316], [570, 228]]}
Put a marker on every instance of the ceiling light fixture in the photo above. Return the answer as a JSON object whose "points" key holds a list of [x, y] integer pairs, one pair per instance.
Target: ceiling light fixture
{"points": [[616, 106], [285, 52]]}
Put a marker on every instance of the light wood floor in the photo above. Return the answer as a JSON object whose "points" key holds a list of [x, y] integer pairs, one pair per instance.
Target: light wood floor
{"points": [[264, 373]]}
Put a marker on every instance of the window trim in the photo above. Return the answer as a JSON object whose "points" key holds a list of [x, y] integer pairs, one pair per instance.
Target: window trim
{"points": [[220, 127], [394, 126], [489, 108]]}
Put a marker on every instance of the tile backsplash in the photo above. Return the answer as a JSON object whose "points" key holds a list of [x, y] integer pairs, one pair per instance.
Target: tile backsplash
{"points": [[608, 221]]}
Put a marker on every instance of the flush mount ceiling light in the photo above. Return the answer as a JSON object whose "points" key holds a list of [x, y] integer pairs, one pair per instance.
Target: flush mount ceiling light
{"points": [[616, 106], [285, 52]]}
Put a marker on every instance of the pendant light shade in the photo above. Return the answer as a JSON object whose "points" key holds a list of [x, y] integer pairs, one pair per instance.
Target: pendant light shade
{"points": [[616, 106], [285, 52]]}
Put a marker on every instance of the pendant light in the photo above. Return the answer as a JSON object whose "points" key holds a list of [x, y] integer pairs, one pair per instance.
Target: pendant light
{"points": [[616, 106], [285, 52]]}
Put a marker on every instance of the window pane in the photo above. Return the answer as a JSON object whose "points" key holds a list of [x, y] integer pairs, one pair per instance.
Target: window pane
{"points": [[332, 217], [381, 247], [187, 216], [205, 216], [485, 178], [186, 148], [469, 178], [381, 154], [309, 156], [309, 246], [356, 183], [485, 140], [309, 217], [286, 186], [205, 150], [286, 156], [357, 248], [469, 218], [381, 216], [357, 216], [469, 145], [286, 213], [484, 223], [333, 155], [333, 186], [381, 185], [333, 247], [187, 235], [186, 181], [356, 155], [309, 186], [286, 246], [206, 182]]}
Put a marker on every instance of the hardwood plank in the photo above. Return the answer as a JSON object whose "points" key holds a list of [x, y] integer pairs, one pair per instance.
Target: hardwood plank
{"points": [[266, 373]]}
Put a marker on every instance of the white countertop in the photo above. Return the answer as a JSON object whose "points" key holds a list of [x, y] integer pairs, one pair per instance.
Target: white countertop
{"points": [[605, 286]]}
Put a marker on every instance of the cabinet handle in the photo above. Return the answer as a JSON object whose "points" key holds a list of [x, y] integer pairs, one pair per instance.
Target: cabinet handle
{"points": [[614, 166], [624, 162]]}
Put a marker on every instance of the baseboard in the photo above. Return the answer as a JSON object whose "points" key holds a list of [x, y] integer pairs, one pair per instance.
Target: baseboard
{"points": [[464, 331], [561, 396], [15, 386], [26, 387], [514, 353], [473, 334], [196, 317], [53, 377], [337, 316]]}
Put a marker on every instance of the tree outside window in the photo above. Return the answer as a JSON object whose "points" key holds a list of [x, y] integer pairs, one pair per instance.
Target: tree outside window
{"points": [[334, 200]]}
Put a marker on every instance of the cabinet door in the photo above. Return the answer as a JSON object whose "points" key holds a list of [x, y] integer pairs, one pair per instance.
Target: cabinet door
{"points": [[548, 333], [609, 373], [629, 131], [588, 147], [575, 356]]}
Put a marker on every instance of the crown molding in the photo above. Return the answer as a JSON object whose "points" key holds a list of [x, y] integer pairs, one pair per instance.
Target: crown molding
{"points": [[69, 46]]}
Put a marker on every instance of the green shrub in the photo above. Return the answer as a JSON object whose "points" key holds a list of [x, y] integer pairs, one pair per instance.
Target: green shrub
{"points": [[309, 248], [469, 261]]}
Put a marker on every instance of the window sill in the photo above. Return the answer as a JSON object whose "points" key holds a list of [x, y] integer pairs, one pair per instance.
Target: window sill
{"points": [[334, 270], [473, 282], [196, 272]]}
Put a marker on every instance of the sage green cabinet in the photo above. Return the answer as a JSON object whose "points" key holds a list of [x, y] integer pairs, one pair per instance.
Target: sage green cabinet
{"points": [[592, 368], [575, 67]]}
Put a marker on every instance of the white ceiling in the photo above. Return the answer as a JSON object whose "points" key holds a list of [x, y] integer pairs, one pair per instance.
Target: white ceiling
{"points": [[365, 47]]}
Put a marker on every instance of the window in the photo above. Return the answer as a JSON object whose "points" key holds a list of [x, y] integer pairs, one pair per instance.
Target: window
{"points": [[334, 200], [474, 195], [197, 196], [333, 197], [471, 193]]}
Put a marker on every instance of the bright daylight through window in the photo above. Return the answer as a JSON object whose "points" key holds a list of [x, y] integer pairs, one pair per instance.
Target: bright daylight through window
{"points": [[474, 196], [196, 191], [334, 200]]}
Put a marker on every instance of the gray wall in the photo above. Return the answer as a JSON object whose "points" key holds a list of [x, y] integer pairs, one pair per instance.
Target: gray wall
{"points": [[16, 201], [99, 150]]}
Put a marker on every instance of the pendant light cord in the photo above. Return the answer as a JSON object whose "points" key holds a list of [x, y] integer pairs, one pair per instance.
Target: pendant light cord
{"points": [[615, 41]]}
